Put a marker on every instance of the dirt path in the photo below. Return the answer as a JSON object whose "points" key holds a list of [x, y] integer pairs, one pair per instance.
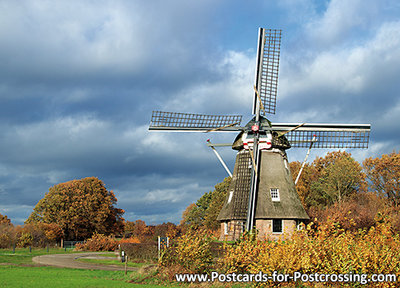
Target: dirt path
{"points": [[71, 261]]}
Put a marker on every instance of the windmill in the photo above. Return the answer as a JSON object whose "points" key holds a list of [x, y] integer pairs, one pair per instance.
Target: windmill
{"points": [[262, 193]]}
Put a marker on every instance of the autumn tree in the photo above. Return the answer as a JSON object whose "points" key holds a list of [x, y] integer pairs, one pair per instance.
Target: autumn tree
{"points": [[81, 208], [7, 232], [384, 176], [303, 186], [339, 176], [139, 230], [165, 230], [186, 214], [38, 234], [129, 227], [4, 220]]}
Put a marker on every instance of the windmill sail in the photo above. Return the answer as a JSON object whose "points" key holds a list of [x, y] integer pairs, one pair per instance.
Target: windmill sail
{"points": [[190, 122], [327, 135], [266, 82]]}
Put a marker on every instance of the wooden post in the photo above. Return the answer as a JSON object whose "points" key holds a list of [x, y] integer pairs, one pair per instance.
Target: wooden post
{"points": [[126, 263], [158, 247]]}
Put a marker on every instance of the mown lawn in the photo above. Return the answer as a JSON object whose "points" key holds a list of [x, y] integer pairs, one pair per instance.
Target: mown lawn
{"points": [[19, 276], [23, 256], [18, 270]]}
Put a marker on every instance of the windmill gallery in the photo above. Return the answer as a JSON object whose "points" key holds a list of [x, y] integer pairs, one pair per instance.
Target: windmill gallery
{"points": [[262, 194]]}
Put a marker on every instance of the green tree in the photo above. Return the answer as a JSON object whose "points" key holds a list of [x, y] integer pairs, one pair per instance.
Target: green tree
{"points": [[205, 211], [198, 212], [339, 176], [217, 200], [81, 208]]}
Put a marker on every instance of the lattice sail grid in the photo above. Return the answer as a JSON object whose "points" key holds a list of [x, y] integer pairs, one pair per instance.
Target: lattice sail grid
{"points": [[188, 120], [329, 139], [242, 186], [268, 71]]}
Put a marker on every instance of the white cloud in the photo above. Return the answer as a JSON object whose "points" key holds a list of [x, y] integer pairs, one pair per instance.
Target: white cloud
{"points": [[231, 91], [340, 18], [349, 70], [65, 114]]}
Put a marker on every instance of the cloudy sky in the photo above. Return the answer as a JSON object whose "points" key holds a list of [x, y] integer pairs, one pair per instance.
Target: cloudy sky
{"points": [[79, 80]]}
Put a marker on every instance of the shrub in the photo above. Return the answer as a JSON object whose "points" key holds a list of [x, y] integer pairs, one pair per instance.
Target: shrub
{"points": [[328, 250], [140, 251], [98, 242], [356, 213], [130, 240], [191, 253], [25, 240]]}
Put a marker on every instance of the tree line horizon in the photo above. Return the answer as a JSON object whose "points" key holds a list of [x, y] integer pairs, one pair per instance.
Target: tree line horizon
{"points": [[335, 186]]}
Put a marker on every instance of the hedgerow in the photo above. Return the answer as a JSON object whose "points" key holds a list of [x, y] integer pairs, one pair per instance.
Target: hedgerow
{"points": [[328, 250]]}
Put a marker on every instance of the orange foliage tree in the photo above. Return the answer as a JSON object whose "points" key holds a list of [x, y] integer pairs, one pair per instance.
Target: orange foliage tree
{"points": [[4, 220], [81, 208], [7, 232], [303, 186], [166, 230], [384, 176]]}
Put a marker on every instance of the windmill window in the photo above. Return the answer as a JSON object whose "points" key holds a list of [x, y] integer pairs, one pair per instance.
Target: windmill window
{"points": [[275, 194], [226, 228], [277, 226]]}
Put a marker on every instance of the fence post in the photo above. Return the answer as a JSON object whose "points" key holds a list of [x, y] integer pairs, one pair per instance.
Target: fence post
{"points": [[126, 263], [47, 247], [159, 247], [13, 248]]}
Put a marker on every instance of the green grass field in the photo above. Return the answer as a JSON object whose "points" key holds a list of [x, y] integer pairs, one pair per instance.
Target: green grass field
{"points": [[18, 276], [23, 256], [18, 270]]}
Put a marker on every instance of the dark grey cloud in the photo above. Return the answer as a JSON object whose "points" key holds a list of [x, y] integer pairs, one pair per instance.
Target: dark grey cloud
{"points": [[78, 82]]}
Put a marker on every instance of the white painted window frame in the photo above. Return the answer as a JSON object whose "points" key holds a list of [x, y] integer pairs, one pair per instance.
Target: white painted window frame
{"points": [[275, 199], [226, 230]]}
